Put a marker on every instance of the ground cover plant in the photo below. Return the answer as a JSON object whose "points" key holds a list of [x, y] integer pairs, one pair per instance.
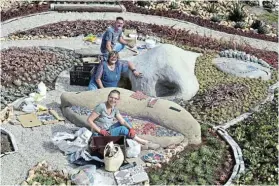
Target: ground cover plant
{"points": [[207, 164], [23, 68], [177, 36], [24, 8], [43, 174], [258, 138], [221, 96], [176, 14]]}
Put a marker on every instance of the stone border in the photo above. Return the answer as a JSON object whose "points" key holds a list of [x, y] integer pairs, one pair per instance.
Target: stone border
{"points": [[13, 141], [244, 57], [239, 163]]}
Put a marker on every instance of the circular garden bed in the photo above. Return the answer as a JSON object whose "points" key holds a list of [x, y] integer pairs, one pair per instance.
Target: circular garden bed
{"points": [[221, 97]]}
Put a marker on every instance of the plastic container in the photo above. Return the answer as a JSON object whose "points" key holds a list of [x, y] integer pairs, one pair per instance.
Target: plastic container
{"points": [[80, 75]]}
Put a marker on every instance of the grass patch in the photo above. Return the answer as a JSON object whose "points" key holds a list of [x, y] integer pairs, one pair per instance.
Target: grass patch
{"points": [[197, 164], [232, 105], [258, 138], [270, 17]]}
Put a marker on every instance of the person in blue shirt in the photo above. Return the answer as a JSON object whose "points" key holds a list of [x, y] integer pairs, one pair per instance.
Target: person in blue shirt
{"points": [[112, 39], [109, 72]]}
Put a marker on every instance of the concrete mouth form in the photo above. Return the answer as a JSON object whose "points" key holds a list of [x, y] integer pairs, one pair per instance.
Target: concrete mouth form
{"points": [[11, 140], [166, 113]]}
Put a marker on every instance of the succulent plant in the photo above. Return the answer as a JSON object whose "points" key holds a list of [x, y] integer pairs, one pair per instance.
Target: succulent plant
{"points": [[237, 12], [257, 24], [216, 19], [212, 7], [263, 30], [174, 5], [240, 25], [194, 12], [143, 3]]}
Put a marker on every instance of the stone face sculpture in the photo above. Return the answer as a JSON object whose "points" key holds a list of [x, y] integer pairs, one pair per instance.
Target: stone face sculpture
{"points": [[180, 121], [167, 71]]}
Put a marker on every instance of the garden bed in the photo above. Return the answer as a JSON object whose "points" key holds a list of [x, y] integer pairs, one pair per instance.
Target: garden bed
{"points": [[23, 10], [36, 7], [210, 163], [207, 74], [24, 68], [258, 138], [177, 36], [177, 14], [223, 97]]}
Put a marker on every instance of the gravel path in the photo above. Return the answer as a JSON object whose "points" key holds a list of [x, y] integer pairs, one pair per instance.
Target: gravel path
{"points": [[34, 145], [25, 23]]}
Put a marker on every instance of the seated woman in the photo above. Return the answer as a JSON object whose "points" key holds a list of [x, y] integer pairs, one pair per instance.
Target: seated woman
{"points": [[101, 122], [109, 72]]}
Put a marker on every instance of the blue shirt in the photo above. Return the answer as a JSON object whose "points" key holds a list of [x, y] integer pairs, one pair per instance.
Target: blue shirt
{"points": [[111, 35], [110, 78]]}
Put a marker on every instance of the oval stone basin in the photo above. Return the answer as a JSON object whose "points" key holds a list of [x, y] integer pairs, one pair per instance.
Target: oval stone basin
{"points": [[242, 68]]}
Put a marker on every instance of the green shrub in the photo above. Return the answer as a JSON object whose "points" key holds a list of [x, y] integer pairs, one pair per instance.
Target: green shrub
{"points": [[268, 4], [257, 24], [263, 30], [216, 19], [194, 12], [174, 5], [252, 3], [237, 12], [212, 7], [186, 2], [240, 25], [143, 3]]}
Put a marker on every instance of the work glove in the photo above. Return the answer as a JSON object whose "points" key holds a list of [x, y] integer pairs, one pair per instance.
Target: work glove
{"points": [[132, 133], [104, 132]]}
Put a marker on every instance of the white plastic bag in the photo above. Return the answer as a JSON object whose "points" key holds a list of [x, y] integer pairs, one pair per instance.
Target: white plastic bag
{"points": [[85, 175], [70, 143], [42, 89], [134, 149], [29, 107]]}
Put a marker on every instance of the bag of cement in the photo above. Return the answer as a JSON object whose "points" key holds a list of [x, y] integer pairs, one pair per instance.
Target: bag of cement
{"points": [[70, 143], [85, 175], [134, 148]]}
